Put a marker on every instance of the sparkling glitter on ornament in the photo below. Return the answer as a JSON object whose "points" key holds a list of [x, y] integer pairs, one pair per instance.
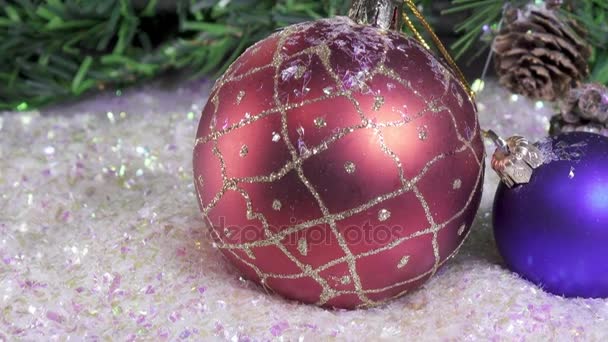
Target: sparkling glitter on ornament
{"points": [[459, 99], [276, 137], [244, 150], [248, 253], [423, 133], [350, 167], [383, 215], [302, 148], [300, 130], [378, 102], [303, 246], [345, 280], [240, 96], [457, 184], [461, 229], [276, 205], [289, 72], [404, 261], [328, 90], [320, 122]]}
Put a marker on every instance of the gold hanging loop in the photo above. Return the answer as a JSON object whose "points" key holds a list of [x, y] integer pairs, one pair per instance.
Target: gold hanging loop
{"points": [[444, 52]]}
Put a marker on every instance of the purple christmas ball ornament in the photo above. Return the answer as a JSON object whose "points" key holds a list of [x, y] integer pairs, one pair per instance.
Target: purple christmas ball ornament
{"points": [[553, 230]]}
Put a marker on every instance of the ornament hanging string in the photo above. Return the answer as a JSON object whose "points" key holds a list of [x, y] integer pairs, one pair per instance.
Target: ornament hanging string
{"points": [[444, 52]]}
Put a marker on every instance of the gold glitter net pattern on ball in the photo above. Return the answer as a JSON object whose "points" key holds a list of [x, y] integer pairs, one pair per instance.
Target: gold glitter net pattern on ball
{"points": [[274, 239]]}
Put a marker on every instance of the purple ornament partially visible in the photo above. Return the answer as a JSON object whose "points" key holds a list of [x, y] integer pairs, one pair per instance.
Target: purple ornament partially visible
{"points": [[553, 231]]}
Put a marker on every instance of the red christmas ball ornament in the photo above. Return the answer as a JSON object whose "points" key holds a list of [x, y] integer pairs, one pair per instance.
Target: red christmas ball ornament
{"points": [[339, 163]]}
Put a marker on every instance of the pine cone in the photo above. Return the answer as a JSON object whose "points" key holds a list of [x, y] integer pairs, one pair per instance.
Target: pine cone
{"points": [[585, 109], [539, 54]]}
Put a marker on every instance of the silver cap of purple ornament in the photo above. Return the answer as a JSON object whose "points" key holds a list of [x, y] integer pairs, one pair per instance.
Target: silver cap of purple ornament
{"points": [[514, 159]]}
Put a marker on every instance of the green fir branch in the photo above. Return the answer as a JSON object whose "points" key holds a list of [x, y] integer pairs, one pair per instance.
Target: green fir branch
{"points": [[593, 14], [58, 49]]}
